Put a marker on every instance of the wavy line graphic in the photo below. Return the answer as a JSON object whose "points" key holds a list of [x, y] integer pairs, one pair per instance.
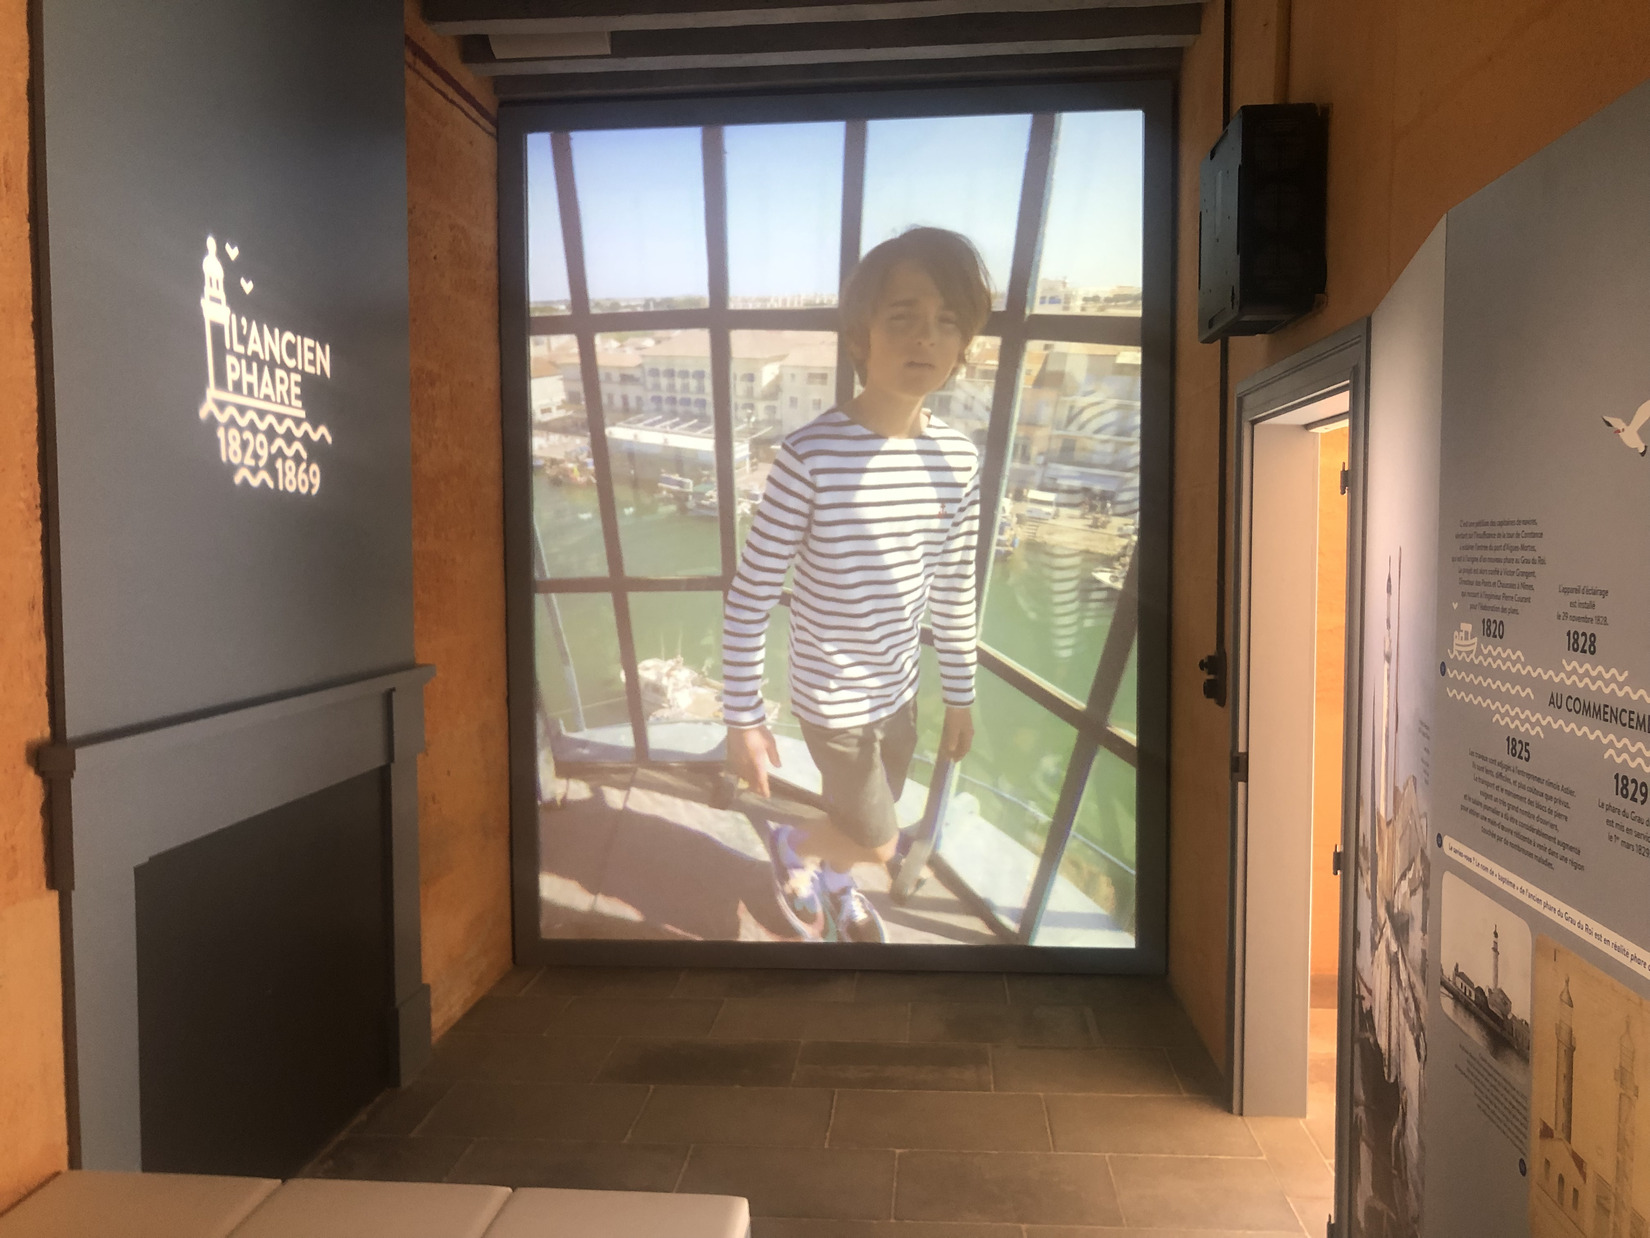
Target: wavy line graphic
{"points": [[264, 421], [1484, 681], [1499, 663], [291, 449], [1515, 725], [260, 478], [1519, 667], [1622, 758], [1587, 668], [1472, 698], [1501, 710]]}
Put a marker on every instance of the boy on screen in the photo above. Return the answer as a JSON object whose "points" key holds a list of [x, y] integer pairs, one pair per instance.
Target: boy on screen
{"points": [[876, 503]]}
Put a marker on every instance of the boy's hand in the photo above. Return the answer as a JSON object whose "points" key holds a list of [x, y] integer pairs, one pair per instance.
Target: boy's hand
{"points": [[748, 749], [957, 735]]}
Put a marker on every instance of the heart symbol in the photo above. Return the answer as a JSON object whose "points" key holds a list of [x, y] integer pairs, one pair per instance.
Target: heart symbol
{"points": [[234, 251], [246, 286]]}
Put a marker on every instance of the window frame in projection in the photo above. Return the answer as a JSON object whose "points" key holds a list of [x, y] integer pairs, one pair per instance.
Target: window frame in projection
{"points": [[1138, 631]]}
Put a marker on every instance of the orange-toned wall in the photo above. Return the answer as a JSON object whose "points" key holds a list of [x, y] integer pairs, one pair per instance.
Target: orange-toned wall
{"points": [[1329, 699], [33, 1138], [1429, 102], [458, 521]]}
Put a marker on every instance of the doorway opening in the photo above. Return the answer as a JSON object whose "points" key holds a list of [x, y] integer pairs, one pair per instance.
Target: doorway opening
{"points": [[1300, 461]]}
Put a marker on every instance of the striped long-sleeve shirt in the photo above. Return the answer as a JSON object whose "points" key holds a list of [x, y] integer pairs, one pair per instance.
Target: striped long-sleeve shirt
{"points": [[879, 529]]}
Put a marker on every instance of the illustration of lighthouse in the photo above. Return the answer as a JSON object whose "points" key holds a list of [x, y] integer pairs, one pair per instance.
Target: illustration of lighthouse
{"points": [[255, 389]]}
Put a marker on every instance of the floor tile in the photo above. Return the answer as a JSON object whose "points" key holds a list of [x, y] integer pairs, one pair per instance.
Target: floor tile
{"points": [[1162, 1026], [732, 1063], [377, 1158], [895, 986], [1083, 1231], [1170, 1125], [480, 1108], [752, 1018], [767, 1117], [398, 1111], [965, 1121], [1198, 1074], [1200, 1191], [819, 986], [1313, 1214], [824, 1183], [780, 1227], [578, 1166], [927, 1067], [1103, 991], [1124, 1071], [1027, 1187], [514, 981], [1301, 1169], [508, 1055], [606, 982], [1066, 1026], [625, 1016], [1321, 1126], [524, 1014]]}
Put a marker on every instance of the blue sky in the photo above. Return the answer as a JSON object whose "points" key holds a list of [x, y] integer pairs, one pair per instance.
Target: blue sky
{"points": [[642, 208]]}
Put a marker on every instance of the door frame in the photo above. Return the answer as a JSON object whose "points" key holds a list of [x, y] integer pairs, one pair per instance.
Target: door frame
{"points": [[1338, 362]]}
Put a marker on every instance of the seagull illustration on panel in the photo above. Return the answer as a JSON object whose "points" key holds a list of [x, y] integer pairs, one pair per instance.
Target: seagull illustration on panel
{"points": [[1628, 432]]}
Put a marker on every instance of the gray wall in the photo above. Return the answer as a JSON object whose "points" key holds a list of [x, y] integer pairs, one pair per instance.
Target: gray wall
{"points": [[276, 126], [226, 642]]}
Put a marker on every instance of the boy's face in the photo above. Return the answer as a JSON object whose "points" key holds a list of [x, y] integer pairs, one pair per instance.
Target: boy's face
{"points": [[914, 341]]}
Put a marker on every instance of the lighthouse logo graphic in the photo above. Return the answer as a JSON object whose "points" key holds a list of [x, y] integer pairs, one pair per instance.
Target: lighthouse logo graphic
{"points": [[258, 379]]}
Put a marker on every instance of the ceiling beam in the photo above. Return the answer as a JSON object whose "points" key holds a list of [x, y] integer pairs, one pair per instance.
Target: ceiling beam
{"points": [[1104, 66], [923, 38], [455, 17]]}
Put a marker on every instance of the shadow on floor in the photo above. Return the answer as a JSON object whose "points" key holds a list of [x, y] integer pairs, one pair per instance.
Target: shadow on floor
{"points": [[852, 1105], [642, 854]]}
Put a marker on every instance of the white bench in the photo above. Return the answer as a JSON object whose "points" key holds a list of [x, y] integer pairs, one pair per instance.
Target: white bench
{"points": [[81, 1204], [335, 1208], [120, 1205], [537, 1212]]}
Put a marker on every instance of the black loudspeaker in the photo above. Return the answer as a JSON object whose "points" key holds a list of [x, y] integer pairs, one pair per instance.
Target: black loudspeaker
{"points": [[1261, 222]]}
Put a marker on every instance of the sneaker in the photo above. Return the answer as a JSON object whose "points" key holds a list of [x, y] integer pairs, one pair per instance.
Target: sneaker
{"points": [[853, 917], [796, 886]]}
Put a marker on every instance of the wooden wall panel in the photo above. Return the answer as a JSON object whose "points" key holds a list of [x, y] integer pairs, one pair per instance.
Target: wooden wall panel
{"points": [[1330, 697], [33, 1140], [458, 522], [1428, 103]]}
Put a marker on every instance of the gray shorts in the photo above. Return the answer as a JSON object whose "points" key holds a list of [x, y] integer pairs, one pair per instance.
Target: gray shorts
{"points": [[862, 772]]}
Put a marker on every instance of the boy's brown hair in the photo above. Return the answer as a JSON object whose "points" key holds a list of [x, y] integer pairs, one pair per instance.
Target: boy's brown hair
{"points": [[948, 258]]}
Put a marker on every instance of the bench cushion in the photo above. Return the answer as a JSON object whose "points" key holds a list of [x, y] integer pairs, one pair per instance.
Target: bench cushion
{"points": [[326, 1208], [131, 1205], [538, 1212]]}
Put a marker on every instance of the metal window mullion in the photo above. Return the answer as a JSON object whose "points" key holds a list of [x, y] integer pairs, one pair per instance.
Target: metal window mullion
{"points": [[721, 356], [1059, 834], [632, 678], [630, 584], [1028, 240], [572, 231], [853, 219], [1114, 655]]}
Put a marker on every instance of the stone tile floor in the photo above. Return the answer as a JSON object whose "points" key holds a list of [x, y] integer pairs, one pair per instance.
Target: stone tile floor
{"points": [[857, 1105]]}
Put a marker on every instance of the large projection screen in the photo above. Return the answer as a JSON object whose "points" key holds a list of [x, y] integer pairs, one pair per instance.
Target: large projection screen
{"points": [[679, 287]]}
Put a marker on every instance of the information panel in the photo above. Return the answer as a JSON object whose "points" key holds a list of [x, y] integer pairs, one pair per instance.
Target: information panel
{"points": [[1541, 788]]}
